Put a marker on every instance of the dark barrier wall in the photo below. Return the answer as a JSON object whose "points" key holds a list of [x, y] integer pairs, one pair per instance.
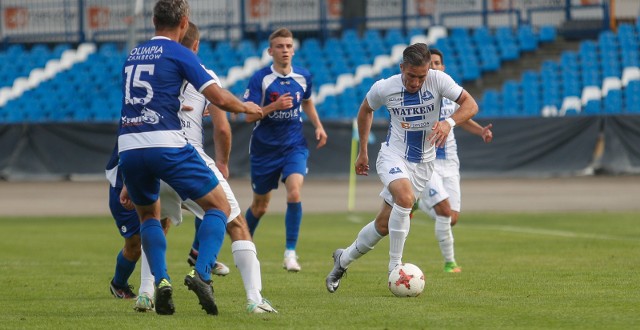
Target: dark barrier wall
{"points": [[522, 147]]}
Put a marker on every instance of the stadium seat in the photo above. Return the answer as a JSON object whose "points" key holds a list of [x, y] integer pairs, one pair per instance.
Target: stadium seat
{"points": [[610, 83], [570, 105], [547, 33], [629, 74], [590, 93]]}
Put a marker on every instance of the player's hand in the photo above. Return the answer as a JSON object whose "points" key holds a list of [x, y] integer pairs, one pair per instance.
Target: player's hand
{"points": [[125, 200], [186, 108], [224, 169], [251, 108], [362, 164], [438, 136], [487, 135], [285, 101], [321, 137]]}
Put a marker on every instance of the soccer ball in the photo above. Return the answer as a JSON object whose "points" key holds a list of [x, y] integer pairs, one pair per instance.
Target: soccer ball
{"points": [[406, 280]]}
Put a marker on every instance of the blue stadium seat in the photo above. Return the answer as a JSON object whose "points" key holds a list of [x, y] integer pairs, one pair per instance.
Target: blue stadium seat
{"points": [[593, 107], [547, 33]]}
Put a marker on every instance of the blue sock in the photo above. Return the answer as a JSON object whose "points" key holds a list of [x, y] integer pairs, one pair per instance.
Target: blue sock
{"points": [[155, 247], [124, 268], [196, 243], [292, 220], [252, 221], [211, 235]]}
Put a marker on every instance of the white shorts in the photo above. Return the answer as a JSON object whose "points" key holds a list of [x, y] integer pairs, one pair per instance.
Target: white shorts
{"points": [[171, 204], [445, 183], [392, 167]]}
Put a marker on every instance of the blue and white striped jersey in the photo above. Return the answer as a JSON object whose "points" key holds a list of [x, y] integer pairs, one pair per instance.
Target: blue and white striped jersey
{"points": [[154, 75], [280, 128], [413, 114]]}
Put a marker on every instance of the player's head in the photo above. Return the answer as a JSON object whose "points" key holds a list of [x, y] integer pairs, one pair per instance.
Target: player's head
{"points": [[170, 15], [437, 59], [281, 47], [416, 60], [191, 38]]}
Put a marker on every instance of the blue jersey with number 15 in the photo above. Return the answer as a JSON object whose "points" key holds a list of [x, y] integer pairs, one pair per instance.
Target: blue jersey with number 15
{"points": [[154, 75]]}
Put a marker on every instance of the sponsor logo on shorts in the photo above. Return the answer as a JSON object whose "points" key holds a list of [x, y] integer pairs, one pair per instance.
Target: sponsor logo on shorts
{"points": [[432, 192], [123, 229]]}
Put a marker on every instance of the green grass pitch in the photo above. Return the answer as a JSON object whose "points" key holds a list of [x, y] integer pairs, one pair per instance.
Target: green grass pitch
{"points": [[525, 271]]}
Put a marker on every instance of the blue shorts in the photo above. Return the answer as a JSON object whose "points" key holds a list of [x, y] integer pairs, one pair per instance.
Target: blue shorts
{"points": [[266, 170], [182, 168], [127, 221]]}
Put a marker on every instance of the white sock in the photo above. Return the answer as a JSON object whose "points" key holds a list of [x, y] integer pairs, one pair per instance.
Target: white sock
{"points": [[245, 257], [146, 278], [445, 237], [366, 240], [399, 224]]}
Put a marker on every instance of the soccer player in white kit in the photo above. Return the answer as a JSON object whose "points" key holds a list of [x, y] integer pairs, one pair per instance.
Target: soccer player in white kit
{"points": [[405, 160], [441, 200], [195, 107]]}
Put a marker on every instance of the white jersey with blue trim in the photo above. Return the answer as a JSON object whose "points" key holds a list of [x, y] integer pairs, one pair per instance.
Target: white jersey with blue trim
{"points": [[154, 77], [191, 120], [450, 149], [413, 115]]}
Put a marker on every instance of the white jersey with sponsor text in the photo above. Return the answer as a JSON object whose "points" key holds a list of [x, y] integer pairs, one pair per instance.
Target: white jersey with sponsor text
{"points": [[413, 114]]}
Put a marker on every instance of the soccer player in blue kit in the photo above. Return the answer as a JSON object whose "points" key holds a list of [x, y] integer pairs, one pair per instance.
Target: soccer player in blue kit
{"points": [[153, 147], [278, 148]]}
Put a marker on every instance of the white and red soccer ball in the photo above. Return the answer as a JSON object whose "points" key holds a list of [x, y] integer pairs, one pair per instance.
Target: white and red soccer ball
{"points": [[406, 280]]}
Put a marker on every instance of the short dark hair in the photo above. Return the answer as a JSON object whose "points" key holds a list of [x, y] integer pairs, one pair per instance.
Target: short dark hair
{"points": [[416, 55], [191, 36], [280, 33], [437, 52], [168, 13]]}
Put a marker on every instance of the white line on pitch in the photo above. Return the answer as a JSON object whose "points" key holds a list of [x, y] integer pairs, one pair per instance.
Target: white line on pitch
{"points": [[549, 232]]}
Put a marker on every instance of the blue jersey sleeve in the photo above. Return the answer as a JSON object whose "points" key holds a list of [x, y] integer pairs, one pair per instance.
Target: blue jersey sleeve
{"points": [[307, 92], [193, 70], [254, 90]]}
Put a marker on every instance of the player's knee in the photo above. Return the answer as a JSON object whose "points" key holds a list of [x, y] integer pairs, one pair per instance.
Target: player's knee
{"points": [[259, 210], [293, 196], [405, 201]]}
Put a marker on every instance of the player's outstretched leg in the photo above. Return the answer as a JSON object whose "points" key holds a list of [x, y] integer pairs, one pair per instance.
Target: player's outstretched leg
{"points": [[333, 279], [164, 298], [203, 290]]}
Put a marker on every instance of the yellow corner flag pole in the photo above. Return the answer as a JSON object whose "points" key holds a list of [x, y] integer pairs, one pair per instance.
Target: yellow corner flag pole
{"points": [[351, 204]]}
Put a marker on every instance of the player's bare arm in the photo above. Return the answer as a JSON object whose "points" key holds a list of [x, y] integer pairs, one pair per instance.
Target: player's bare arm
{"points": [[310, 109], [284, 102], [221, 138], [365, 118], [468, 108], [226, 101]]}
